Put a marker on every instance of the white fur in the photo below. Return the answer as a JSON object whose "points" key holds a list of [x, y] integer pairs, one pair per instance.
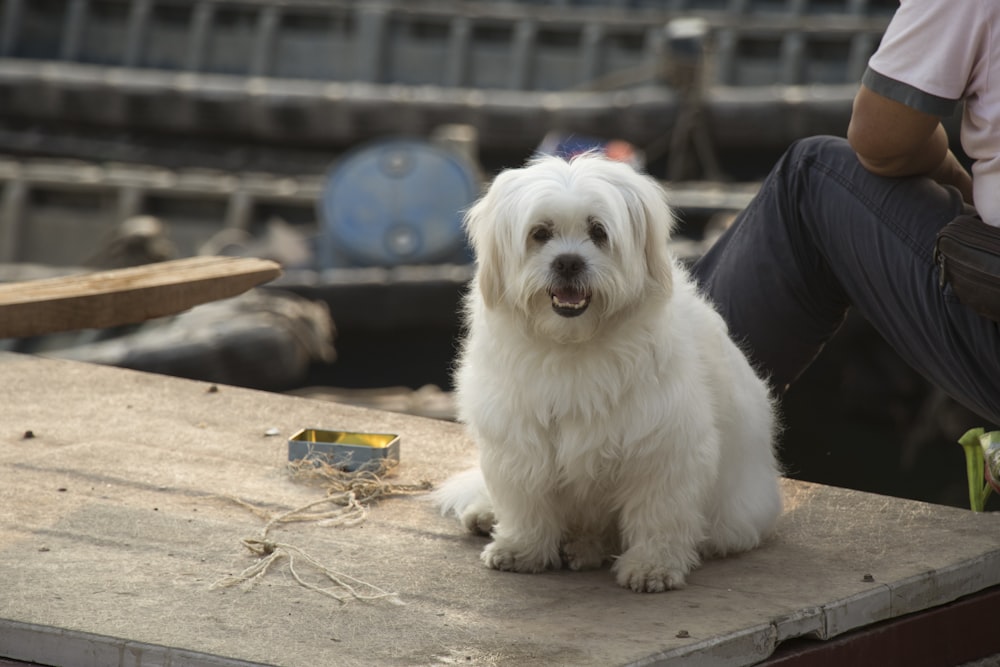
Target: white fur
{"points": [[635, 431]]}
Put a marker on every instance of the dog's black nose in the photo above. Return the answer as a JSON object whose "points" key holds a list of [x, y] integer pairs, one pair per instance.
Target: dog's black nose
{"points": [[568, 266]]}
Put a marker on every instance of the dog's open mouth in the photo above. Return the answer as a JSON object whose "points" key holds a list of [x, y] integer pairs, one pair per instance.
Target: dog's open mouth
{"points": [[569, 301]]}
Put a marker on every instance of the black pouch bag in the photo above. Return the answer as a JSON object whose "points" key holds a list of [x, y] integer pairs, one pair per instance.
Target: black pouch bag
{"points": [[967, 251]]}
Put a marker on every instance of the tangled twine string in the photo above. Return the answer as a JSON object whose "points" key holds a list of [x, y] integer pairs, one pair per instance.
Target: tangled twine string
{"points": [[348, 493]]}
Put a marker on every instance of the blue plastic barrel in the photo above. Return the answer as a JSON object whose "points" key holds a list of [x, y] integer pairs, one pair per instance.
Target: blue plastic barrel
{"points": [[396, 202]]}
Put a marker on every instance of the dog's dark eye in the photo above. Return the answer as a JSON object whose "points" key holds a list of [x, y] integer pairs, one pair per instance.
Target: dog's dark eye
{"points": [[541, 234], [598, 234]]}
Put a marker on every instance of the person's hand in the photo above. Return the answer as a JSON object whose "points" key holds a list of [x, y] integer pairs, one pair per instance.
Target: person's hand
{"points": [[951, 172]]}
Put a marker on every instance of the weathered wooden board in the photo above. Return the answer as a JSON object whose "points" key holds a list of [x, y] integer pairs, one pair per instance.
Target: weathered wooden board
{"points": [[125, 296], [116, 518]]}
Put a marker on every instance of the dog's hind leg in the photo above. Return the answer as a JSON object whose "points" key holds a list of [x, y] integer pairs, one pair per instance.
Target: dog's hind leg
{"points": [[747, 499], [592, 534], [744, 510], [590, 546], [465, 496]]}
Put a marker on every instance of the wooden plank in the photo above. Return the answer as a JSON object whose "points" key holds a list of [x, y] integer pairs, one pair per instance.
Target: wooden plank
{"points": [[116, 513], [125, 296]]}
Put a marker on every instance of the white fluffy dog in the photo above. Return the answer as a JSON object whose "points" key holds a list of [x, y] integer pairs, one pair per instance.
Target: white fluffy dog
{"points": [[614, 417]]}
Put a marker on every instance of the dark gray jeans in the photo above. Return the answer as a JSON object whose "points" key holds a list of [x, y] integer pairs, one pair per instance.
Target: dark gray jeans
{"points": [[823, 234]]}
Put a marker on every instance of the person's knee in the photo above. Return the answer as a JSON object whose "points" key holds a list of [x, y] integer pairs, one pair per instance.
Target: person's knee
{"points": [[804, 170], [819, 146]]}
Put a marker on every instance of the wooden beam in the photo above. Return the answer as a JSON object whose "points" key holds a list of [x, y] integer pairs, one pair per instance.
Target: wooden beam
{"points": [[125, 296]]}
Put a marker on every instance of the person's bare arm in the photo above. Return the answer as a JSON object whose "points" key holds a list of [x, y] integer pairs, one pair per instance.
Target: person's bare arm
{"points": [[892, 139]]}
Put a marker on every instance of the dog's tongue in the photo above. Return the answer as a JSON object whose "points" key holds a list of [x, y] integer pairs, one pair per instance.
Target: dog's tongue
{"points": [[569, 296]]}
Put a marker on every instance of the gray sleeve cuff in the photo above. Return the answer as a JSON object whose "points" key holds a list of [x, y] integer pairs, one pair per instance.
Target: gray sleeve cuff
{"points": [[906, 94]]}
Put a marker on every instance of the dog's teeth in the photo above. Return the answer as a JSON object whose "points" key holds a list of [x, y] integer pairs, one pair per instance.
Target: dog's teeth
{"points": [[576, 305]]}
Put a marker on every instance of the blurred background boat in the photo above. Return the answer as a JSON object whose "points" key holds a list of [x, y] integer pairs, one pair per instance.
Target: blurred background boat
{"points": [[344, 138]]}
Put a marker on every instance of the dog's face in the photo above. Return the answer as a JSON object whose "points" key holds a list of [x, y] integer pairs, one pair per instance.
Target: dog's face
{"points": [[569, 245]]}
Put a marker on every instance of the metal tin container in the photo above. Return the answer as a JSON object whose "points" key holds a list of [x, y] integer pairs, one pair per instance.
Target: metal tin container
{"points": [[343, 449]]}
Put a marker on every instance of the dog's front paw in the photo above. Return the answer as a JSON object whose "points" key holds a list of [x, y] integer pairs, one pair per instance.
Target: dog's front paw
{"points": [[501, 556], [648, 575]]}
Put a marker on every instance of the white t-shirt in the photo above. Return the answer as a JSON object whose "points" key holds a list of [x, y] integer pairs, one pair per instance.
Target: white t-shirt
{"points": [[937, 53]]}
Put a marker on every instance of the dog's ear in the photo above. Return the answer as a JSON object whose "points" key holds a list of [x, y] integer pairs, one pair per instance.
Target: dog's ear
{"points": [[482, 228], [656, 223], [659, 224]]}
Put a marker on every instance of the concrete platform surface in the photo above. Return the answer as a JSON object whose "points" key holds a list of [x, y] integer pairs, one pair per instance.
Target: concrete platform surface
{"points": [[115, 521]]}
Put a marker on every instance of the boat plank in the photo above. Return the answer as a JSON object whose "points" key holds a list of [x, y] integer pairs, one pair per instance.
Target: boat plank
{"points": [[125, 296], [128, 496]]}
